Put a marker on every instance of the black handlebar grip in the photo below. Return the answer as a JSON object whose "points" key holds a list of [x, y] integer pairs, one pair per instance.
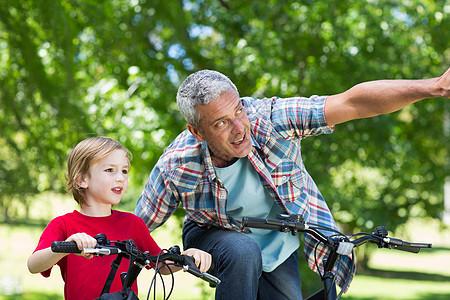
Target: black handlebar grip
{"points": [[259, 223], [194, 270], [407, 246], [65, 247]]}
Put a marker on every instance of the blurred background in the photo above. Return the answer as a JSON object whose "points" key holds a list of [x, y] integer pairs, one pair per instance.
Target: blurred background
{"points": [[74, 69]]}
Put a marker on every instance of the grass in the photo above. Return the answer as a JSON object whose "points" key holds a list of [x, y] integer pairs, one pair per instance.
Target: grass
{"points": [[408, 276], [392, 275]]}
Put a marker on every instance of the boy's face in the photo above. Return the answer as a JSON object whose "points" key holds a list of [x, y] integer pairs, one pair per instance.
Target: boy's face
{"points": [[107, 180]]}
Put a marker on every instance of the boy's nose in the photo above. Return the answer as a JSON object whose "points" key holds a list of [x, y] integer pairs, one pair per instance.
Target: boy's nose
{"points": [[120, 177]]}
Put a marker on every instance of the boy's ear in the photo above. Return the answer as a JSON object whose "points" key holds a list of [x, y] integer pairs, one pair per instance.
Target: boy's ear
{"points": [[82, 183]]}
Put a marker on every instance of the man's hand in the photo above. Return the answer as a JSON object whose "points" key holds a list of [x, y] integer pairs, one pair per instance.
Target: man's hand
{"points": [[443, 84], [202, 259]]}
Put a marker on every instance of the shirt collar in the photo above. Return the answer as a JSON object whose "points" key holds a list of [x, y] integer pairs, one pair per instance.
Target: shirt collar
{"points": [[209, 166]]}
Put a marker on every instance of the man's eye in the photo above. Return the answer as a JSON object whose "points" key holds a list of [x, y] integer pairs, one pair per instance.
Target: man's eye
{"points": [[220, 124]]}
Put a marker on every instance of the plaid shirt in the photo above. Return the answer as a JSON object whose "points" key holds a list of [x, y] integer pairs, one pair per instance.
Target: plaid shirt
{"points": [[185, 174]]}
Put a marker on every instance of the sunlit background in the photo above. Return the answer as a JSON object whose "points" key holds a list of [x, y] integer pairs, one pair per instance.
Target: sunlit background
{"points": [[75, 69]]}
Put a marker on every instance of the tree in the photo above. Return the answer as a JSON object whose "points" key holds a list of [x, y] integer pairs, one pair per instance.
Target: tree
{"points": [[72, 69]]}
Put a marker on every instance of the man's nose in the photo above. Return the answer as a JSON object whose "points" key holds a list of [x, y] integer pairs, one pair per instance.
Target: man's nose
{"points": [[238, 127]]}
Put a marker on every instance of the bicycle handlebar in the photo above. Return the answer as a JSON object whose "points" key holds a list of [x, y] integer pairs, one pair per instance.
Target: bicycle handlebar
{"points": [[379, 236], [337, 242], [184, 261], [283, 226]]}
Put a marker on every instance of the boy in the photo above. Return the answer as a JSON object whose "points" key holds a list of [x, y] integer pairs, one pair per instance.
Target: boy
{"points": [[98, 178]]}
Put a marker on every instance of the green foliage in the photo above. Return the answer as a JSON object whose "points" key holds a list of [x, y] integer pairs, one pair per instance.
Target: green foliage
{"points": [[73, 69]]}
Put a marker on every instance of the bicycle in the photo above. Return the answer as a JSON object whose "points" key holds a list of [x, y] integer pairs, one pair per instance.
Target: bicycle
{"points": [[137, 261], [338, 243]]}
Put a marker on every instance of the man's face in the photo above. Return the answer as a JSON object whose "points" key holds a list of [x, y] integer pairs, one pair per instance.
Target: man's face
{"points": [[225, 128]]}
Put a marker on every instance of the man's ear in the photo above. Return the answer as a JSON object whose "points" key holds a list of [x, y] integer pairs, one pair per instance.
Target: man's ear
{"points": [[195, 132]]}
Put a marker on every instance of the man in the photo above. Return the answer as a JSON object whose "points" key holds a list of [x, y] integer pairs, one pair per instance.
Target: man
{"points": [[241, 157]]}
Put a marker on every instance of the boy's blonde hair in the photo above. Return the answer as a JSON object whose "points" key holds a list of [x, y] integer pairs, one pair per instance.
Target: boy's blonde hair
{"points": [[83, 156]]}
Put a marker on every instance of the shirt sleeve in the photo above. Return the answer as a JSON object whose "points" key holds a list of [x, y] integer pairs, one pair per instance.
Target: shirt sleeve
{"points": [[53, 232], [299, 117], [145, 241]]}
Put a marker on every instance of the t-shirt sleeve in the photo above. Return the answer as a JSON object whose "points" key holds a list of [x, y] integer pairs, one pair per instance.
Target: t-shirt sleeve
{"points": [[53, 232], [146, 242]]}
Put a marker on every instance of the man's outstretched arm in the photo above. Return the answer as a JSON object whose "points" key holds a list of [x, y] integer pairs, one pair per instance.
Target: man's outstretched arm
{"points": [[378, 97]]}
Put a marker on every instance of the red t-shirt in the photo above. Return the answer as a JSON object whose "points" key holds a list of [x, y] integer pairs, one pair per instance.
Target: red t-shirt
{"points": [[84, 278]]}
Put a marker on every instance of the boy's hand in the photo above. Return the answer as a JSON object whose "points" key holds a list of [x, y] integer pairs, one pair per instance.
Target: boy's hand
{"points": [[202, 259], [83, 240]]}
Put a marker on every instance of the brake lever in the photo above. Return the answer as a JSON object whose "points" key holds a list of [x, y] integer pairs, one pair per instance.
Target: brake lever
{"points": [[190, 266], [103, 250]]}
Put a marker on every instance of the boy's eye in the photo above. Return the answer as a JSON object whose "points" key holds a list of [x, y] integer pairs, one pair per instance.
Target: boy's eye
{"points": [[125, 171], [109, 170]]}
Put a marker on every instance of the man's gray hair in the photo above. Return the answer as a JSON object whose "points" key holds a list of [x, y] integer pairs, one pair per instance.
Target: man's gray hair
{"points": [[201, 88]]}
